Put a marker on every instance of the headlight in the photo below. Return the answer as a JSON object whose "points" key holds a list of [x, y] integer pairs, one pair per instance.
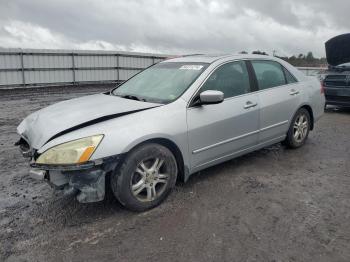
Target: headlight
{"points": [[73, 152]]}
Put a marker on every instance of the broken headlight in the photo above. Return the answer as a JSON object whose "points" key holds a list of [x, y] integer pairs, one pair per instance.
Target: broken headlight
{"points": [[73, 152]]}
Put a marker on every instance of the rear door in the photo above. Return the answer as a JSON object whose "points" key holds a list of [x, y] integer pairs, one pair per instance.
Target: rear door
{"points": [[217, 132], [279, 97]]}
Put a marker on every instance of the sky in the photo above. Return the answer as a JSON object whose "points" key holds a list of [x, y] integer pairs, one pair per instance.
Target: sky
{"points": [[176, 26]]}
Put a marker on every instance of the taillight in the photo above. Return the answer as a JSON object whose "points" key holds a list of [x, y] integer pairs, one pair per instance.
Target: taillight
{"points": [[322, 87]]}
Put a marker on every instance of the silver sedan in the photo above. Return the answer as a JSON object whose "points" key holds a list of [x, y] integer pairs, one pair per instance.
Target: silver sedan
{"points": [[169, 121]]}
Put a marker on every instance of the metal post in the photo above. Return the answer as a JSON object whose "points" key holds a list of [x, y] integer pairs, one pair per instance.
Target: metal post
{"points": [[117, 57], [22, 69], [73, 68]]}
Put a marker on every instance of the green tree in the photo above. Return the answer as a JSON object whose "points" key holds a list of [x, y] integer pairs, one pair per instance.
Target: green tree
{"points": [[310, 57]]}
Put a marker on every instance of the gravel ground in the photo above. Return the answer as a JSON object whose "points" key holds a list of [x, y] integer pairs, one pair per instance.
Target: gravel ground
{"points": [[271, 205]]}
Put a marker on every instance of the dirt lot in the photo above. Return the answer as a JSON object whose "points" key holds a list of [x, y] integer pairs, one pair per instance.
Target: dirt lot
{"points": [[271, 205]]}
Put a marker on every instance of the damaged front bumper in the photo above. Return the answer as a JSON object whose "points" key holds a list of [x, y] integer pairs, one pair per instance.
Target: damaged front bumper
{"points": [[86, 180]]}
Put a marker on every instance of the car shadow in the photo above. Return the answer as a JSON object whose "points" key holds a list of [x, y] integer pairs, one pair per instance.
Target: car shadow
{"points": [[66, 211], [339, 110], [232, 165]]}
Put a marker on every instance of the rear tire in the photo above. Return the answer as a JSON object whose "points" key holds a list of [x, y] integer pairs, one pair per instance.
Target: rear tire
{"points": [[145, 178], [299, 129]]}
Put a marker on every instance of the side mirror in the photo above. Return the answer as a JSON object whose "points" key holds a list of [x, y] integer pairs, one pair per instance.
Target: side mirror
{"points": [[210, 97]]}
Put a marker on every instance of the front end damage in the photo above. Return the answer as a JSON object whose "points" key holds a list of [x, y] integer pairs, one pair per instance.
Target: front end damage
{"points": [[86, 180], [67, 165]]}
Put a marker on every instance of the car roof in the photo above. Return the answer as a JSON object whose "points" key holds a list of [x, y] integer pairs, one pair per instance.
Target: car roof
{"points": [[207, 58]]}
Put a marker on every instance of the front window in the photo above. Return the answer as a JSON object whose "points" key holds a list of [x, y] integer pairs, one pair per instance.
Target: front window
{"points": [[161, 83], [232, 79]]}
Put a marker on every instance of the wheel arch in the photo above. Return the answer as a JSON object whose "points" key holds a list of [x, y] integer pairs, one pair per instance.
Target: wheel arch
{"points": [[172, 146], [309, 109]]}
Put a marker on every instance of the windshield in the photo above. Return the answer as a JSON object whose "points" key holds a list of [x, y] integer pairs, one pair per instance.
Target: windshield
{"points": [[161, 83]]}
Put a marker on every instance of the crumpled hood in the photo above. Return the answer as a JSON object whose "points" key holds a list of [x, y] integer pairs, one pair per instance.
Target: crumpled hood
{"points": [[42, 125], [338, 50]]}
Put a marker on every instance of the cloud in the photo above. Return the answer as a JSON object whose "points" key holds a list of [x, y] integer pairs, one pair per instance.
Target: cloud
{"points": [[16, 33], [20, 34], [177, 26]]}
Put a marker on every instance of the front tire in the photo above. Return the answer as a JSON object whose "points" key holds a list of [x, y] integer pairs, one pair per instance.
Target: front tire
{"points": [[299, 129], [145, 178]]}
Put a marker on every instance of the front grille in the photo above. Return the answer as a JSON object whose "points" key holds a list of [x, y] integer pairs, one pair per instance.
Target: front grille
{"points": [[337, 81], [25, 149]]}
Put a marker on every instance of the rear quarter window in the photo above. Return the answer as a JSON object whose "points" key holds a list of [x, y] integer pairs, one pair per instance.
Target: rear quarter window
{"points": [[289, 77]]}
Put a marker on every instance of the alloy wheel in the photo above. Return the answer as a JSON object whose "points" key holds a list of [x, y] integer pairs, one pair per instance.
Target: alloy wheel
{"points": [[300, 128], [150, 179]]}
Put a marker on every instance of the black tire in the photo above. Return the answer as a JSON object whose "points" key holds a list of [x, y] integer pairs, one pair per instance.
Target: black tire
{"points": [[123, 179], [291, 141]]}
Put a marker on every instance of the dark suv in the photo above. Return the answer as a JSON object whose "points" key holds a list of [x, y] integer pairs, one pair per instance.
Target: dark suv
{"points": [[337, 78]]}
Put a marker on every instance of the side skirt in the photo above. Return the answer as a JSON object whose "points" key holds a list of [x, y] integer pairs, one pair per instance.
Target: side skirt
{"points": [[237, 154]]}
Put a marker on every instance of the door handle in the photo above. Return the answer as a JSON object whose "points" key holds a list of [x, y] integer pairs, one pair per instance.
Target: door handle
{"points": [[250, 104], [293, 92]]}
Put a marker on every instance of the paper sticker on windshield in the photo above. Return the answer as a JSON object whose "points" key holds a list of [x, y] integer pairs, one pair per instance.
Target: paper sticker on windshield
{"points": [[191, 67]]}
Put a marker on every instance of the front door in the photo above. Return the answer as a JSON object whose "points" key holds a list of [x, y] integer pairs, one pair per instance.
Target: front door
{"points": [[217, 132]]}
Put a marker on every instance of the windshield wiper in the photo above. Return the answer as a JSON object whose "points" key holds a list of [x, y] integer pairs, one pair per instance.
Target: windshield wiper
{"points": [[137, 98], [133, 97]]}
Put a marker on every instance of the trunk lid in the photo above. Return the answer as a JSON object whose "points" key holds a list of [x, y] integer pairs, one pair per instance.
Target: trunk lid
{"points": [[338, 50]]}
